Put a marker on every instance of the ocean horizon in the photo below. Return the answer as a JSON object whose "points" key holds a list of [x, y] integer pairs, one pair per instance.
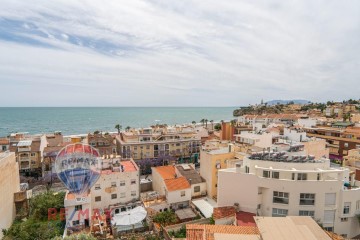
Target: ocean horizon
{"points": [[81, 120]]}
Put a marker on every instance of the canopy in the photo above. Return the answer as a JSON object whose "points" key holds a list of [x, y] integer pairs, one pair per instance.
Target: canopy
{"points": [[129, 217]]}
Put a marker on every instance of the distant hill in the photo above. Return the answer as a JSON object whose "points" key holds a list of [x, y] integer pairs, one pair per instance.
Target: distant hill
{"points": [[296, 101]]}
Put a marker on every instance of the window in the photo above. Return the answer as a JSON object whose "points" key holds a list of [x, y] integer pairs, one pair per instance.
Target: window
{"points": [[344, 219], [247, 169], [122, 195], [133, 181], [278, 212], [347, 207], [266, 174], [114, 196], [318, 177], [148, 147], [346, 145], [329, 229], [197, 189], [281, 197], [97, 186], [33, 154], [357, 204], [330, 199], [293, 176], [344, 235], [98, 199], [75, 223], [182, 193], [302, 176], [122, 183], [133, 193], [307, 213], [275, 175], [113, 184], [307, 199], [78, 207]]}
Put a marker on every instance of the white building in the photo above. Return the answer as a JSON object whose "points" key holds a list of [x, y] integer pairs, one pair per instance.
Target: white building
{"points": [[9, 184], [262, 140], [293, 184], [117, 190]]}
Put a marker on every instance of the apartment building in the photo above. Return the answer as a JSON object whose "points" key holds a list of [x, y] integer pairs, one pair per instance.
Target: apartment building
{"points": [[288, 182], [352, 161], [261, 140], [104, 143], [339, 110], [9, 184], [29, 156], [340, 140], [155, 142], [117, 190], [212, 159]]}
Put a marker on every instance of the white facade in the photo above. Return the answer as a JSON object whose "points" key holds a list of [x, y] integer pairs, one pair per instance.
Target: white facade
{"points": [[294, 135], [9, 184], [275, 188], [307, 122], [263, 140]]}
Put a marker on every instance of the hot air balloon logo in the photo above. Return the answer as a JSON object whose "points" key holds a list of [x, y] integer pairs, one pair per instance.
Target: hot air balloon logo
{"points": [[78, 166]]}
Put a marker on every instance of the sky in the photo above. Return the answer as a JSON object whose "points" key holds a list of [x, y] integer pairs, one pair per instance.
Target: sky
{"points": [[177, 53]]}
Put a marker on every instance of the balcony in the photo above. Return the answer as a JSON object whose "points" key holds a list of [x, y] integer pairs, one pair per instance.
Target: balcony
{"points": [[24, 149]]}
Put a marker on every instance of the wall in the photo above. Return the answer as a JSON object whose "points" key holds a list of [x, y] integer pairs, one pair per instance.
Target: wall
{"points": [[202, 189], [9, 184], [158, 183], [175, 196]]}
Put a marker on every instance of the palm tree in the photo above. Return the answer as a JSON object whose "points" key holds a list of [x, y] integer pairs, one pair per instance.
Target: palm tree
{"points": [[233, 122], [193, 123], [127, 128], [202, 121], [206, 121], [118, 127], [212, 124]]}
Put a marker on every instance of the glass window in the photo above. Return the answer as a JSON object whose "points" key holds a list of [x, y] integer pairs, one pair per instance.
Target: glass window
{"points": [[306, 213], [347, 207], [114, 196], [307, 199], [133, 181], [75, 223], [113, 184], [133, 193], [122, 183], [275, 175], [78, 207], [97, 198], [281, 197], [122, 195], [266, 174], [302, 176], [197, 189], [278, 212], [182, 193], [97, 186]]}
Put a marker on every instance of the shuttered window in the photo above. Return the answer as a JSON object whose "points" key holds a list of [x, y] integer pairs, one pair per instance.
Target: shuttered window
{"points": [[330, 198]]}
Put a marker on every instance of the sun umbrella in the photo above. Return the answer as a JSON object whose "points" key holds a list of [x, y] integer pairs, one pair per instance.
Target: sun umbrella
{"points": [[129, 217]]}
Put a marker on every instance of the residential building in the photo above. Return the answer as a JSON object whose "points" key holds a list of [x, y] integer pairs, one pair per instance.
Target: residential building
{"points": [[168, 182], [197, 183], [4, 144], [288, 182], [352, 161], [29, 156], [104, 142], [9, 184], [118, 185], [156, 142], [212, 159], [340, 140], [261, 140]]}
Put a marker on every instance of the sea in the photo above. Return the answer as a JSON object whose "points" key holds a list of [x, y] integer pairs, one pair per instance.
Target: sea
{"points": [[81, 120]]}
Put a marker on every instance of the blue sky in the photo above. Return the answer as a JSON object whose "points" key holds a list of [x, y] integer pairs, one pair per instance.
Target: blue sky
{"points": [[177, 53]]}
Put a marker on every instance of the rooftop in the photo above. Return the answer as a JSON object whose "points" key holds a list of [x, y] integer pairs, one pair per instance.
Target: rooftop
{"points": [[190, 173], [126, 166], [24, 143], [176, 184], [196, 231], [223, 212], [245, 219], [295, 228], [166, 172]]}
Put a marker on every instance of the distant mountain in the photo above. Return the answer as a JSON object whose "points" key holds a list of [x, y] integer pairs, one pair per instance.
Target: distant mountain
{"points": [[296, 101]]}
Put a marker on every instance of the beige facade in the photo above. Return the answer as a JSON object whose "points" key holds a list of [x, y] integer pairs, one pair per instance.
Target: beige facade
{"points": [[9, 184], [150, 143]]}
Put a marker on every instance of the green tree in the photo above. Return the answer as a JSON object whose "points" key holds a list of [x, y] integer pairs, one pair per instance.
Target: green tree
{"points": [[206, 121], [118, 127], [212, 124], [202, 121], [81, 236], [181, 233], [128, 128], [193, 122], [217, 127], [165, 218]]}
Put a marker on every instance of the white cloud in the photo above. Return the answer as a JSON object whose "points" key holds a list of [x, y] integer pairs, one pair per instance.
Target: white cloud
{"points": [[159, 52]]}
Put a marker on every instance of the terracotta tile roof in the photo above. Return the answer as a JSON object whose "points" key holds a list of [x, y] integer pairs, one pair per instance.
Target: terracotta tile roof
{"points": [[245, 219], [223, 212], [4, 141], [176, 184], [206, 232], [166, 172]]}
